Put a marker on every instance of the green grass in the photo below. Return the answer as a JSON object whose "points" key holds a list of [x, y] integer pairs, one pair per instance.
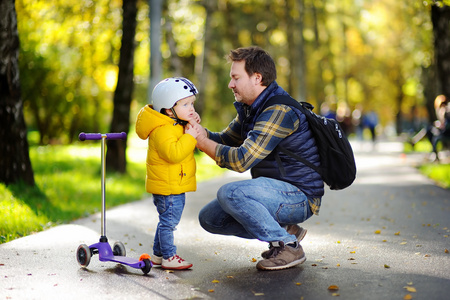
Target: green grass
{"points": [[439, 172], [68, 187]]}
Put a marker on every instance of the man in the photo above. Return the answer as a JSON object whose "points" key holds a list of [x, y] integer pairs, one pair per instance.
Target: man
{"points": [[282, 191]]}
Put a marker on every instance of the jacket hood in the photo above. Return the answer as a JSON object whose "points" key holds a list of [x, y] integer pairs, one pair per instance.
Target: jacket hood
{"points": [[152, 120]]}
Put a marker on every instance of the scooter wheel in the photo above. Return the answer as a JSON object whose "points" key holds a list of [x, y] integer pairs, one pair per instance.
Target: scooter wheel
{"points": [[84, 255], [147, 267], [119, 249]]}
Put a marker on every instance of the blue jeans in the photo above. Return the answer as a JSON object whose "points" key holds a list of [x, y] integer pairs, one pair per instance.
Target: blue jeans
{"points": [[170, 209], [256, 209]]}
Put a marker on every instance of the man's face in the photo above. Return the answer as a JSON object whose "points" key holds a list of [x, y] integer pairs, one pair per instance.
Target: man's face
{"points": [[245, 88]]}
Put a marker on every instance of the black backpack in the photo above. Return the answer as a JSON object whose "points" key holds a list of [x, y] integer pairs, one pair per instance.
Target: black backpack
{"points": [[337, 163]]}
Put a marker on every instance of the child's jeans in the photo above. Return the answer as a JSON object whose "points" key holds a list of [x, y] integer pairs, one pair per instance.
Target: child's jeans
{"points": [[170, 209]]}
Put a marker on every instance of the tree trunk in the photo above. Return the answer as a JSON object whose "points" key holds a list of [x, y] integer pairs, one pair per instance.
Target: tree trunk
{"points": [[155, 46], [15, 164], [440, 17], [116, 153]]}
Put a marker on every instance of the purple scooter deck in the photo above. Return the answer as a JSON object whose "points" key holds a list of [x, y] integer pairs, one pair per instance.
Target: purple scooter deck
{"points": [[105, 253]]}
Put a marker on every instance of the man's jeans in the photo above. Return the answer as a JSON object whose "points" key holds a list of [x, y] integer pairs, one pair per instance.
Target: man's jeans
{"points": [[256, 208], [170, 209]]}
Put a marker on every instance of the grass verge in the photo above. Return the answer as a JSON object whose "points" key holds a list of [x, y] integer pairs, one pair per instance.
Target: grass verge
{"points": [[439, 172], [68, 187]]}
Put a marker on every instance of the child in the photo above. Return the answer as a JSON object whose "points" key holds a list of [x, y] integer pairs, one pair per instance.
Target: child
{"points": [[170, 161]]}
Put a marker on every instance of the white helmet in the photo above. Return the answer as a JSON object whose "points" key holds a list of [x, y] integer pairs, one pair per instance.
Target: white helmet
{"points": [[168, 91]]}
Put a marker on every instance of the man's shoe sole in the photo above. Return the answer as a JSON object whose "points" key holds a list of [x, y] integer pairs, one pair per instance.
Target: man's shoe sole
{"points": [[287, 266]]}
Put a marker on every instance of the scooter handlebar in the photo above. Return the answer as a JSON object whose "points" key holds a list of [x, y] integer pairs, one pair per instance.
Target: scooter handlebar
{"points": [[98, 136]]}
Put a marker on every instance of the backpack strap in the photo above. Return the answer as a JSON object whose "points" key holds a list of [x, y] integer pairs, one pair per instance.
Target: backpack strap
{"points": [[303, 107]]}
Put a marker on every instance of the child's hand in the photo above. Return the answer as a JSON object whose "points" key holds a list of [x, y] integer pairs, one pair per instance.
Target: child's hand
{"points": [[201, 132], [189, 129]]}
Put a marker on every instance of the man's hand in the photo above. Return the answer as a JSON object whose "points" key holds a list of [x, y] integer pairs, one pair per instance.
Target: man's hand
{"points": [[203, 142], [197, 118]]}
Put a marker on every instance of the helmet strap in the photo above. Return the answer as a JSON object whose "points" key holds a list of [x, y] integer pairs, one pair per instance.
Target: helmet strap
{"points": [[179, 121]]}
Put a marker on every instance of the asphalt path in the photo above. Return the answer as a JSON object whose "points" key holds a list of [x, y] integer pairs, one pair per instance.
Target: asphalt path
{"points": [[385, 237]]}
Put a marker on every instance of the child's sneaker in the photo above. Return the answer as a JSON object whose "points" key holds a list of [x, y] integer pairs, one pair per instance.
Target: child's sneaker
{"points": [[175, 263], [156, 261]]}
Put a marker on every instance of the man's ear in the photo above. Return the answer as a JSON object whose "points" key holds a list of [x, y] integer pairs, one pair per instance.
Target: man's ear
{"points": [[258, 78]]}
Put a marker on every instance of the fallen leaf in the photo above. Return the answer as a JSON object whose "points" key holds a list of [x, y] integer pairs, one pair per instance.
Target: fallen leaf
{"points": [[169, 271], [397, 233], [446, 251], [407, 297], [384, 241], [230, 276], [253, 259], [338, 265], [403, 243], [377, 231], [410, 289], [386, 266], [314, 265], [335, 294], [298, 283], [211, 291], [352, 252], [333, 288], [215, 281], [409, 283], [427, 255], [351, 258]]}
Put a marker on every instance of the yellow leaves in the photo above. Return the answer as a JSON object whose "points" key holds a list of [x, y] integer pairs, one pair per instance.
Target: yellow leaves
{"points": [[446, 251], [333, 288], [298, 283], [410, 289], [397, 233], [386, 266], [215, 281], [254, 259], [377, 231]]}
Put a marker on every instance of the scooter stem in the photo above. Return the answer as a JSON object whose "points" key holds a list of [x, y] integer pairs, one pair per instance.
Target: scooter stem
{"points": [[103, 186]]}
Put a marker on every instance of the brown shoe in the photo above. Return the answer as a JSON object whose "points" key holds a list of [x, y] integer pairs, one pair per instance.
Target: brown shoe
{"points": [[282, 257], [296, 230]]}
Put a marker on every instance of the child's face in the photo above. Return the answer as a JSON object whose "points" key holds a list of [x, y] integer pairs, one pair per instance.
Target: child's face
{"points": [[185, 108]]}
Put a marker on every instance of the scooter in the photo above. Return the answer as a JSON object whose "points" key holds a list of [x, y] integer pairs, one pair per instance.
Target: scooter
{"points": [[102, 248]]}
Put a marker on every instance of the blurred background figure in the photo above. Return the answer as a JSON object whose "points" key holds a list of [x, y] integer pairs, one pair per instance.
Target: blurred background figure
{"points": [[439, 130], [370, 121]]}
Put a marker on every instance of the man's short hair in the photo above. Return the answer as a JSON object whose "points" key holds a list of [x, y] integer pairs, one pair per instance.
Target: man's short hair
{"points": [[257, 60]]}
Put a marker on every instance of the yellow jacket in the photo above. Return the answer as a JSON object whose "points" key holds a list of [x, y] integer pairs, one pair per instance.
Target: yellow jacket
{"points": [[170, 156]]}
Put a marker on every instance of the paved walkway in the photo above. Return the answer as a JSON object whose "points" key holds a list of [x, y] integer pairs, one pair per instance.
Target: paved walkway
{"points": [[385, 237]]}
